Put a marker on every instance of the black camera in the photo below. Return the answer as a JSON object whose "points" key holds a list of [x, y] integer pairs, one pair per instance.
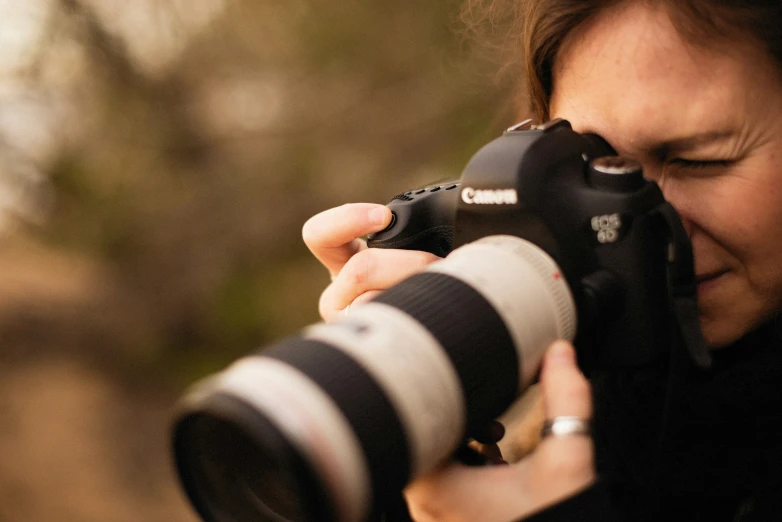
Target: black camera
{"points": [[547, 235], [621, 247]]}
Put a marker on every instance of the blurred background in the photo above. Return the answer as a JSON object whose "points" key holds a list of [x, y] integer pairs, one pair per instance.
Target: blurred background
{"points": [[157, 161]]}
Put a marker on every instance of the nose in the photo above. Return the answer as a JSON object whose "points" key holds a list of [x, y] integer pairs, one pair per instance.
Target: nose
{"points": [[673, 194]]}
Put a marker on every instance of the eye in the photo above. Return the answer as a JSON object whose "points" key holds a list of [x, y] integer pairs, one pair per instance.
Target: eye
{"points": [[700, 164]]}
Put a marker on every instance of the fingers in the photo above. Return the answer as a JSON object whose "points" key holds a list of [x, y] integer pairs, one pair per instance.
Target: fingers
{"points": [[330, 314], [560, 467], [486, 439], [367, 273], [332, 235], [366, 297], [565, 389], [489, 451], [565, 463]]}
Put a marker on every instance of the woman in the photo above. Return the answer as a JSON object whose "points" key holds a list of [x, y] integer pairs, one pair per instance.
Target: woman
{"points": [[693, 90]]}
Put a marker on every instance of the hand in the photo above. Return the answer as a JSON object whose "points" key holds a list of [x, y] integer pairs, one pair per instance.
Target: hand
{"points": [[560, 466], [357, 273], [485, 442]]}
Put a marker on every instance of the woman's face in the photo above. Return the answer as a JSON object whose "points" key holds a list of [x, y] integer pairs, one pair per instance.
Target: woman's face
{"points": [[706, 124]]}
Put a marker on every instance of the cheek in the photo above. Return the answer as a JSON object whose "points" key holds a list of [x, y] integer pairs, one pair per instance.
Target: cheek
{"points": [[745, 218], [732, 220], [762, 225]]}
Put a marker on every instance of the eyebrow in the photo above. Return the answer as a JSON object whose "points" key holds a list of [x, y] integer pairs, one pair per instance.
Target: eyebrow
{"points": [[678, 145], [691, 142]]}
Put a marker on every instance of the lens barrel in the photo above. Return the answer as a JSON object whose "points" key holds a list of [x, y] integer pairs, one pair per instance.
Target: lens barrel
{"points": [[332, 424]]}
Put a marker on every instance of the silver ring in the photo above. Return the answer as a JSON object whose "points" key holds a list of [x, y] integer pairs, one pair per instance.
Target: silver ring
{"points": [[565, 425]]}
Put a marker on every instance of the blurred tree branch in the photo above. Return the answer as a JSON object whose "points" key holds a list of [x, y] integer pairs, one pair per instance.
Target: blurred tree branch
{"points": [[190, 182], [108, 51]]}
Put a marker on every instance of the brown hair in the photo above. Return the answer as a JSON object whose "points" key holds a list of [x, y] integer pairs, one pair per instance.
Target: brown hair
{"points": [[531, 32]]}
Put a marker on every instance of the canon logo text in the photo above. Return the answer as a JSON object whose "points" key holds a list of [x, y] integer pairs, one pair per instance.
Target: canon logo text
{"points": [[490, 197]]}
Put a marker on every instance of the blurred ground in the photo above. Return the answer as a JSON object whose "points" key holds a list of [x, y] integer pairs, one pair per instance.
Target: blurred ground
{"points": [[157, 160], [79, 443], [76, 447]]}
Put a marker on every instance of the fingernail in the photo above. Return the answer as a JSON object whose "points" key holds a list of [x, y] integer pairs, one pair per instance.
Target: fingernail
{"points": [[561, 351], [377, 216]]}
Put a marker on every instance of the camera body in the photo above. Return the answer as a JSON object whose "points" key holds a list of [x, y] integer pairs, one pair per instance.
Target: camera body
{"points": [[620, 245]]}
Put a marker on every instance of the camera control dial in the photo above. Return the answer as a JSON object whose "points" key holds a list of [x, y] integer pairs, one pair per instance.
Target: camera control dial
{"points": [[616, 174]]}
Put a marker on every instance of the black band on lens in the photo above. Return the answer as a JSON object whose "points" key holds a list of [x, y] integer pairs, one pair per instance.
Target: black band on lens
{"points": [[473, 335], [364, 404]]}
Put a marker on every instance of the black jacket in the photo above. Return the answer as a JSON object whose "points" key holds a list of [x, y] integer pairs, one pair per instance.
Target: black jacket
{"points": [[712, 451]]}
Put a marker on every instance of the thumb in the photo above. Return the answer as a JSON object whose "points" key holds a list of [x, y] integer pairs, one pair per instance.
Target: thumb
{"points": [[564, 388], [563, 465]]}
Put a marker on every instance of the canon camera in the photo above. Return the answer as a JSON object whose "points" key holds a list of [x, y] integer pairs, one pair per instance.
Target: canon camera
{"points": [[547, 234]]}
